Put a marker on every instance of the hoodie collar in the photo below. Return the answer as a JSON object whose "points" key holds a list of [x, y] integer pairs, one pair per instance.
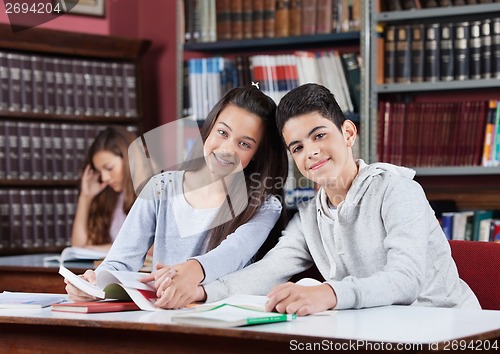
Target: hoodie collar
{"points": [[360, 184]]}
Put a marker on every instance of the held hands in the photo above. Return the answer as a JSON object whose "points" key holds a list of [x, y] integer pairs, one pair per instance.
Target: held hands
{"points": [[76, 294], [178, 285], [90, 183], [301, 300]]}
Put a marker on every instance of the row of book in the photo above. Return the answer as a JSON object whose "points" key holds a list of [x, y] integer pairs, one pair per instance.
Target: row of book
{"points": [[209, 78], [477, 225], [432, 134], [219, 20], [65, 86], [441, 51], [45, 151], [36, 218], [399, 5]]}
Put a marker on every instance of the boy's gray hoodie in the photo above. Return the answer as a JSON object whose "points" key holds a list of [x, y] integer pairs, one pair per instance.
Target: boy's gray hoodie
{"points": [[383, 245]]}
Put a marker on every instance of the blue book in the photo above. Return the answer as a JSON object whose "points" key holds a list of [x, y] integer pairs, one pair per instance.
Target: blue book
{"points": [[447, 224]]}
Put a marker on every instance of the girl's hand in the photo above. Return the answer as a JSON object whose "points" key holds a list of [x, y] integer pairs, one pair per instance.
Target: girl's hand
{"points": [[183, 288], [76, 294], [91, 186], [301, 300], [162, 278]]}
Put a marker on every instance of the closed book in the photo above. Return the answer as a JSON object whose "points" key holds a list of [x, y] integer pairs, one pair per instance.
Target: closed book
{"points": [[223, 16], [247, 19], [486, 49], [475, 50], [236, 9], [417, 52], [14, 75], [257, 18], [68, 86], [390, 55], [447, 54], [295, 17], [432, 46], [59, 93], [96, 306], [227, 315], [282, 18], [403, 54], [353, 76], [37, 88], [269, 9], [495, 48], [461, 50], [324, 16], [447, 224], [26, 84], [49, 103], [4, 82], [309, 16]]}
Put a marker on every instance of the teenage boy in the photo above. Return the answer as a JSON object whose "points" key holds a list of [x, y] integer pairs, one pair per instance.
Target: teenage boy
{"points": [[370, 229]]}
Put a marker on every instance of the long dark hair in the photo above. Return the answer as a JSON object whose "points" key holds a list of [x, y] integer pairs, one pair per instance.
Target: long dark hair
{"points": [[265, 174], [115, 140]]}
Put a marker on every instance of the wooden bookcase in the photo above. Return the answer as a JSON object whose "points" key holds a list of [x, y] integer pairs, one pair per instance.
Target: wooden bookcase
{"points": [[470, 186], [58, 90]]}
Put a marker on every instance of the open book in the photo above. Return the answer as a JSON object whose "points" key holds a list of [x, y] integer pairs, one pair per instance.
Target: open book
{"points": [[119, 285], [227, 315], [13, 300], [76, 254]]}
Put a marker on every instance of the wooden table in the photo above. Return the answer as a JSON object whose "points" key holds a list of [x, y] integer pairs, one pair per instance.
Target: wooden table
{"points": [[29, 273], [392, 327]]}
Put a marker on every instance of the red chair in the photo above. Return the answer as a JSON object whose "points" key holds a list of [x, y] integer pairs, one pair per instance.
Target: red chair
{"points": [[478, 264]]}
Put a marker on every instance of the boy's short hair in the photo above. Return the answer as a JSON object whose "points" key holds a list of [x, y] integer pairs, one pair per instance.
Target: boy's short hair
{"points": [[309, 98]]}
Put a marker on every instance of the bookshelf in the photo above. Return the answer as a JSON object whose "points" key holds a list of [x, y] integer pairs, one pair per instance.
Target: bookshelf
{"points": [[419, 91], [58, 89]]}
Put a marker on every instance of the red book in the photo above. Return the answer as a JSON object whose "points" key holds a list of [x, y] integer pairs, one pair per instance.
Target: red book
{"points": [[96, 306]]}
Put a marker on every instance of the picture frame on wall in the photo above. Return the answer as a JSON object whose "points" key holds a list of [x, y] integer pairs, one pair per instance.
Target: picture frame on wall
{"points": [[82, 7]]}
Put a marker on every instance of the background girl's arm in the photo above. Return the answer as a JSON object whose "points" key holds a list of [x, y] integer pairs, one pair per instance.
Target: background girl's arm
{"points": [[90, 187]]}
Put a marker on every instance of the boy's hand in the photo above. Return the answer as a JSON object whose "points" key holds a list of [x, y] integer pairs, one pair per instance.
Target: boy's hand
{"points": [[162, 278], [178, 285], [76, 294], [301, 300]]}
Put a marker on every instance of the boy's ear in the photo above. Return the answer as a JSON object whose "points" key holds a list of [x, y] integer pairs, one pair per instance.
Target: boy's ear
{"points": [[349, 131]]}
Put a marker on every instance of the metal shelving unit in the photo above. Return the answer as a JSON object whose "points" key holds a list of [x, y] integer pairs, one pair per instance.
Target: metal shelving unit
{"points": [[370, 105]]}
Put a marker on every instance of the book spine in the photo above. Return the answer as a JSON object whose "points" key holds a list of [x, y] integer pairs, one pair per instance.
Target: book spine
{"points": [[495, 48], [390, 55], [486, 49], [37, 85], [4, 219], [24, 150], [247, 14], [49, 86], [59, 218], [68, 85], [417, 52], [130, 93], [59, 87], [49, 230], [403, 54], [26, 219], [236, 19], [79, 149], [15, 219], [88, 79], [223, 13], [4, 82], [309, 19], [119, 85], [295, 17], [11, 151], [35, 151], [68, 159], [462, 54], [109, 101], [3, 149], [14, 65], [46, 151], [258, 19], [37, 202], [78, 101], [447, 52], [324, 16], [431, 68], [475, 50], [26, 84], [281, 18], [269, 9], [57, 152]]}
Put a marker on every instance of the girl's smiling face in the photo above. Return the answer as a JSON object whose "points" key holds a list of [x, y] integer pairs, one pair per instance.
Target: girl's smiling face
{"points": [[233, 140]]}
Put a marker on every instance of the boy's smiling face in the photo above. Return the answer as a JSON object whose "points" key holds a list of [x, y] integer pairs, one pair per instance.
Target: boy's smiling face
{"points": [[320, 150]]}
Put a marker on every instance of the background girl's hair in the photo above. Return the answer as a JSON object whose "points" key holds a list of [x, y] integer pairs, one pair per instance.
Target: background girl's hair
{"points": [[307, 99], [115, 140], [265, 174]]}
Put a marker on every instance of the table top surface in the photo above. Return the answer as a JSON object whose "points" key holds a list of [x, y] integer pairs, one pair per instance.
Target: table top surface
{"points": [[397, 324]]}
